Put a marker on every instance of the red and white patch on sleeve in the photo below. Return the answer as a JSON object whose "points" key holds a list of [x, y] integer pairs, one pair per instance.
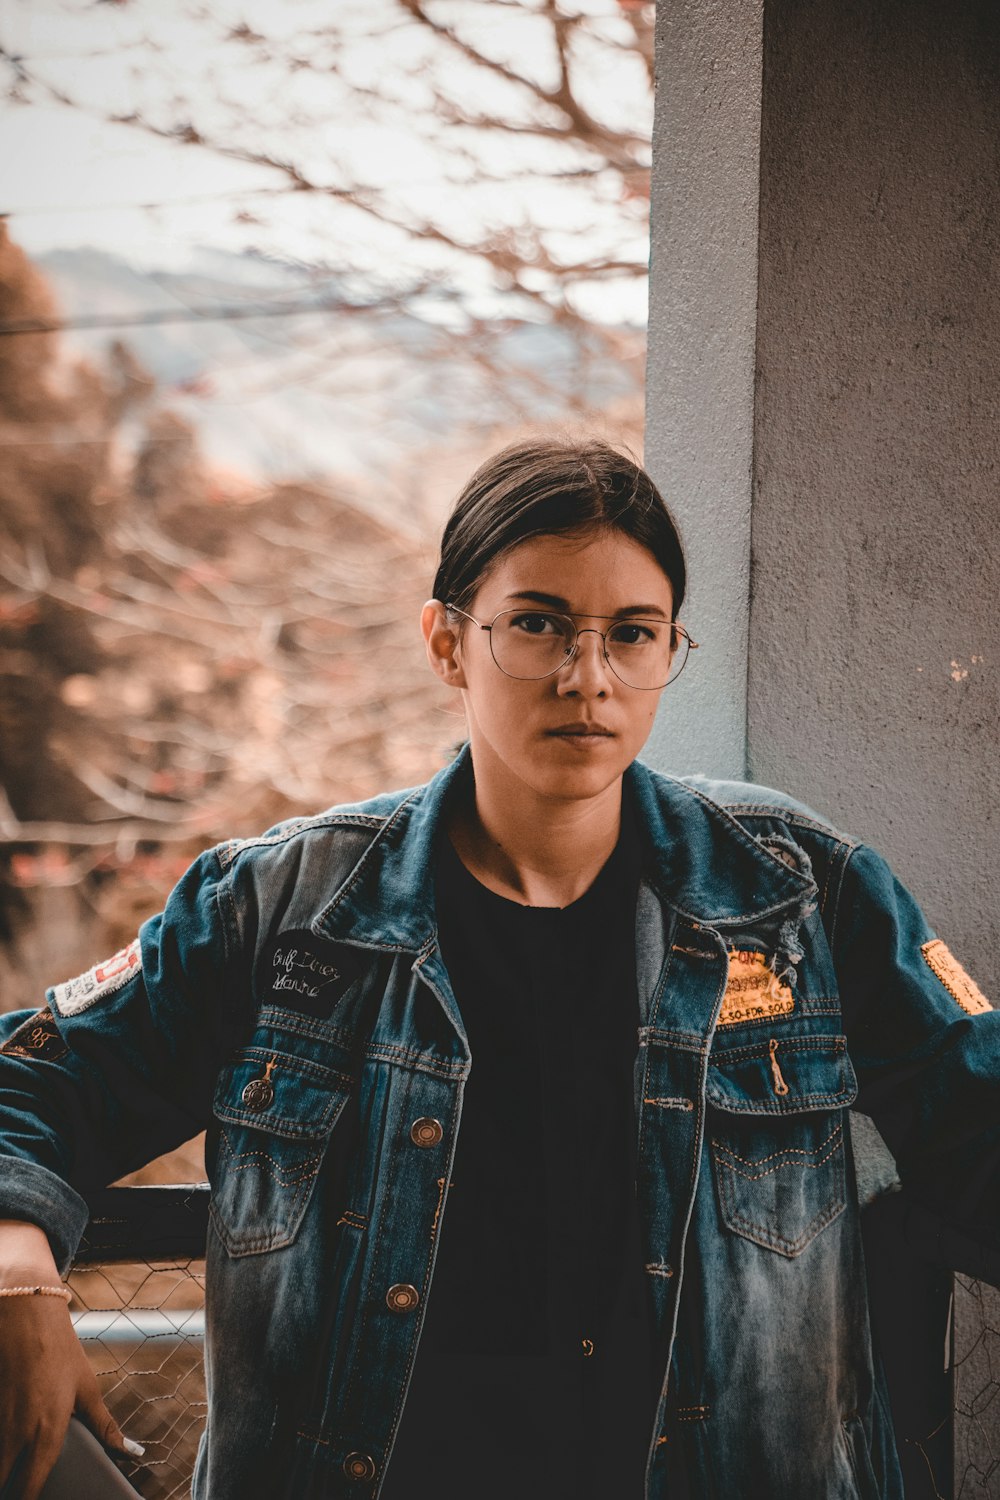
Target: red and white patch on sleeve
{"points": [[102, 980]]}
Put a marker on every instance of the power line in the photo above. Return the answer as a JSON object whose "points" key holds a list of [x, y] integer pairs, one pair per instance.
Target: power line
{"points": [[160, 316], [78, 208]]}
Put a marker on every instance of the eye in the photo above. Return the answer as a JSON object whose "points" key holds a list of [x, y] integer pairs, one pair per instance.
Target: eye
{"points": [[637, 633], [537, 624]]}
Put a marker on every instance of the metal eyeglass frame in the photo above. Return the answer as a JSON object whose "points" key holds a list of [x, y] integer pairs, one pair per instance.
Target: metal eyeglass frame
{"points": [[560, 615]]}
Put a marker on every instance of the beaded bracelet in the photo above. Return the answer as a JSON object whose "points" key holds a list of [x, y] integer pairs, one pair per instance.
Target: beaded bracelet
{"points": [[37, 1291]]}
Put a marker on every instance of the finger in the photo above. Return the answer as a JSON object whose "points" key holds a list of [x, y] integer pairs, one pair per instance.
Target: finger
{"points": [[91, 1410], [95, 1415]]}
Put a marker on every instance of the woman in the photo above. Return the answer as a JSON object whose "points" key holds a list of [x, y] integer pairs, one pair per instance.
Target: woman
{"points": [[560, 1037]]}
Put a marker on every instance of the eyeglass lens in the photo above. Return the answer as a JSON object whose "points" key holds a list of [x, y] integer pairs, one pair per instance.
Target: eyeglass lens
{"points": [[641, 653]]}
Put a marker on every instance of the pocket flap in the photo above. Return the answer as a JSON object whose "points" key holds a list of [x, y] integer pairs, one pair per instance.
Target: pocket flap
{"points": [[280, 1094], [816, 1071]]}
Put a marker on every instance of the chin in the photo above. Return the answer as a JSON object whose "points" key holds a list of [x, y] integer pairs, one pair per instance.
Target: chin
{"points": [[570, 783]]}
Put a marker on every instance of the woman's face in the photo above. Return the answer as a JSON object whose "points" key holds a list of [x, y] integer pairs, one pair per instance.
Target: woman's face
{"points": [[571, 735]]}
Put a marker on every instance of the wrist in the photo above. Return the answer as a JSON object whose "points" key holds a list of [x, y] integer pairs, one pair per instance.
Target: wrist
{"points": [[60, 1292], [25, 1256]]}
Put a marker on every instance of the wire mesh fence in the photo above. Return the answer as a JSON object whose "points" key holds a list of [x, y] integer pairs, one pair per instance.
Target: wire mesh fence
{"points": [[977, 1390], [138, 1305], [142, 1328]]}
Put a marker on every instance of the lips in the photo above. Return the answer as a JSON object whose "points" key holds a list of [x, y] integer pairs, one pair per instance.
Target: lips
{"points": [[581, 731]]}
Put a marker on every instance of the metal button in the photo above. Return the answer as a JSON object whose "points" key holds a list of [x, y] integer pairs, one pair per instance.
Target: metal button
{"points": [[426, 1132], [359, 1466], [402, 1297], [258, 1094]]}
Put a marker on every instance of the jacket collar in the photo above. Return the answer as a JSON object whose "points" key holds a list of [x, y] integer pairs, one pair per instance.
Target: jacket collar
{"points": [[698, 858], [704, 863]]}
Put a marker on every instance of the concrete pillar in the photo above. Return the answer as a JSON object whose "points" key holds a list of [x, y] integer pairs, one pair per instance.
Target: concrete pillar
{"points": [[823, 413], [703, 324]]}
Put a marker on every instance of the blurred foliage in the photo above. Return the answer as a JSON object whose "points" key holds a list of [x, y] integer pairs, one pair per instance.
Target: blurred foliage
{"points": [[180, 661]]}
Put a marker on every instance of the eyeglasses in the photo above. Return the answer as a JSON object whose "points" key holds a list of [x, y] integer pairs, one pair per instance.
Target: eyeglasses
{"points": [[532, 643]]}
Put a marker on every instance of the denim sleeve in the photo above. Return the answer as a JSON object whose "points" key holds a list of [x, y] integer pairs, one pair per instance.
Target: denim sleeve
{"points": [[123, 1068], [926, 1049]]}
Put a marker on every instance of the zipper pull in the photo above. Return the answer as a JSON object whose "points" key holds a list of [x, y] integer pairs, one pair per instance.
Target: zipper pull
{"points": [[780, 1086]]}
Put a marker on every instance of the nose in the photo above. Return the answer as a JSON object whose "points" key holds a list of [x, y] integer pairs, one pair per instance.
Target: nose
{"points": [[586, 674]]}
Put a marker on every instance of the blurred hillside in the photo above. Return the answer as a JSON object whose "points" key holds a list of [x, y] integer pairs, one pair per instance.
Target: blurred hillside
{"points": [[293, 368], [182, 658]]}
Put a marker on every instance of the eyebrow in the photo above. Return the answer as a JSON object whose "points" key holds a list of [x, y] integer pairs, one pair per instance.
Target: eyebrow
{"points": [[553, 601]]}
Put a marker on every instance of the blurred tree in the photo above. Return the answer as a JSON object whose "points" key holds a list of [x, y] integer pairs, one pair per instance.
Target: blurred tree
{"points": [[481, 163], [178, 662]]}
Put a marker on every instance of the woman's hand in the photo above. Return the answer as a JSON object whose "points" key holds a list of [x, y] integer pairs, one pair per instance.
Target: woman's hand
{"points": [[45, 1376]]}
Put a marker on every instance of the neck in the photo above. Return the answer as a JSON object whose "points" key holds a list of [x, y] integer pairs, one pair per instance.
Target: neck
{"points": [[537, 850]]}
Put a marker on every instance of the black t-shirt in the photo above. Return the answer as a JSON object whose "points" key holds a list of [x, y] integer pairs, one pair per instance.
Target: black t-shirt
{"points": [[539, 1259]]}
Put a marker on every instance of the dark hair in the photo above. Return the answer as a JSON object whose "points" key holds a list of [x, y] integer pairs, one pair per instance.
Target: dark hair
{"points": [[543, 487]]}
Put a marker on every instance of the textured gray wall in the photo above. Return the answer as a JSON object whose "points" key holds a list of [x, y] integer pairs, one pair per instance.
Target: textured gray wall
{"points": [[703, 298], [874, 643], [863, 490], [874, 661]]}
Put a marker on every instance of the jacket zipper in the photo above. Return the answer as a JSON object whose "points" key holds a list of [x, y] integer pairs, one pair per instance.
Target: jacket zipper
{"points": [[780, 1086]]}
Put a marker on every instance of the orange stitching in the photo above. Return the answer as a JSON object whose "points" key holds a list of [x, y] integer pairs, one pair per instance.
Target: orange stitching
{"points": [[437, 1212], [422, 1062], [266, 1163], [259, 1155], [757, 1176], [788, 1150], [277, 1018], [772, 1111], [291, 1062], [233, 1233], [669, 1103], [833, 1044], [353, 1219]]}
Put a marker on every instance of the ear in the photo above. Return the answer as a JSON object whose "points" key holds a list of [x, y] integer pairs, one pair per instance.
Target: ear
{"points": [[441, 638]]}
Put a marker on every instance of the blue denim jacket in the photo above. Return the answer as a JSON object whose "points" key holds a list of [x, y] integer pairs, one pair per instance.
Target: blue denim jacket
{"points": [[781, 969]]}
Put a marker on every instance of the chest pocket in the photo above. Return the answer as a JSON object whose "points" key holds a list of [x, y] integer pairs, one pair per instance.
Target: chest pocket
{"points": [[776, 1127], [275, 1113]]}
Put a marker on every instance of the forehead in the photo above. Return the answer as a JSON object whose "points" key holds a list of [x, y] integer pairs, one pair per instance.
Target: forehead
{"points": [[594, 572]]}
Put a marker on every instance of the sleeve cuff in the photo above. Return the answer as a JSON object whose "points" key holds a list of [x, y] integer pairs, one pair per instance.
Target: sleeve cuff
{"points": [[33, 1193]]}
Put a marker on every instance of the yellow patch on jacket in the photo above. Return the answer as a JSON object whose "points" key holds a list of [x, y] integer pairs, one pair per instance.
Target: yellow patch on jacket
{"points": [[753, 990], [956, 981]]}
